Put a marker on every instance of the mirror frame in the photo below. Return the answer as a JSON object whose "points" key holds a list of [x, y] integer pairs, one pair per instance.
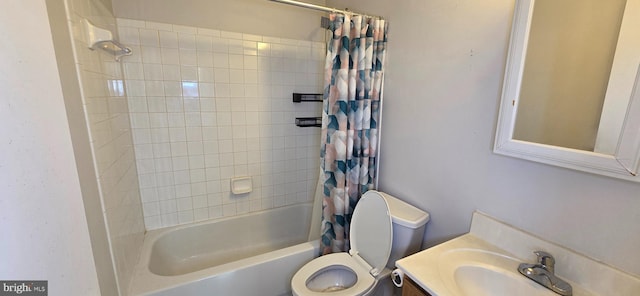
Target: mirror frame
{"points": [[623, 164]]}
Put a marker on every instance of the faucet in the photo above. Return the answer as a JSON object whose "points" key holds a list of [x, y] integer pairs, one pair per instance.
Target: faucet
{"points": [[543, 274]]}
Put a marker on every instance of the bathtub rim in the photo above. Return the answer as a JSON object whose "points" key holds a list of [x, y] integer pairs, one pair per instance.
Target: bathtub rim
{"points": [[145, 282], [159, 240], [155, 234]]}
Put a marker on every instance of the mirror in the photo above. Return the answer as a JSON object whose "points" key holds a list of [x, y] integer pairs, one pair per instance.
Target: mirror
{"points": [[566, 71], [571, 92]]}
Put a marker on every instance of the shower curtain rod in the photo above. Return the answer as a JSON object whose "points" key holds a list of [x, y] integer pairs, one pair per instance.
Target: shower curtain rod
{"points": [[321, 8]]}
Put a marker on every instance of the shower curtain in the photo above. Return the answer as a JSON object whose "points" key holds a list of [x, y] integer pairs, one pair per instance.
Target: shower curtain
{"points": [[350, 121]]}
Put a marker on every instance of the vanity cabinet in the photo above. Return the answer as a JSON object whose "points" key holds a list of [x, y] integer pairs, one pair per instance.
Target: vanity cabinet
{"points": [[410, 288]]}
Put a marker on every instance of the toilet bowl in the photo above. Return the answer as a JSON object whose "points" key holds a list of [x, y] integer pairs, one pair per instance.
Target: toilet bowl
{"points": [[357, 272], [334, 273]]}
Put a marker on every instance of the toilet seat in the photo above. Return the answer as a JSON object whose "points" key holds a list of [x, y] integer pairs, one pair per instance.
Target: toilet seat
{"points": [[371, 237], [364, 280]]}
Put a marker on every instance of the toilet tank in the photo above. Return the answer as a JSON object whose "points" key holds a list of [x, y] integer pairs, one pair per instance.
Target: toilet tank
{"points": [[408, 228]]}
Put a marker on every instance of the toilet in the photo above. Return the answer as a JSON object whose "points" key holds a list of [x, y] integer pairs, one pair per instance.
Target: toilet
{"points": [[383, 230]]}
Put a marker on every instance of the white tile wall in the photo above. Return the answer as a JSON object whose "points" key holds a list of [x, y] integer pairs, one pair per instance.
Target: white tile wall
{"points": [[107, 114], [208, 105]]}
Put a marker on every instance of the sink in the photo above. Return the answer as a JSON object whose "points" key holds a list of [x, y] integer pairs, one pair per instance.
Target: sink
{"points": [[484, 273], [480, 281], [485, 262]]}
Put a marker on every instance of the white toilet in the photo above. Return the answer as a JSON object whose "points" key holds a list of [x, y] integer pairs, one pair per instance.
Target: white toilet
{"points": [[383, 230]]}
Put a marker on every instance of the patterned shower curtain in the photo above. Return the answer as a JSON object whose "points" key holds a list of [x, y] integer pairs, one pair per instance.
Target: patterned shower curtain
{"points": [[350, 121]]}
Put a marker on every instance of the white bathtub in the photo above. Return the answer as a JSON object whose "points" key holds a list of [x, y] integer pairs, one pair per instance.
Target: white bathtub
{"points": [[253, 254]]}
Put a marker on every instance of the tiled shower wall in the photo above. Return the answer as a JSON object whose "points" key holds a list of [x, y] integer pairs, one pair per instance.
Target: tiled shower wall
{"points": [[209, 105], [107, 115]]}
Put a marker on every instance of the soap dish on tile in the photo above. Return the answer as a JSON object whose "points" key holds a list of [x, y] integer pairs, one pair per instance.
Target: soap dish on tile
{"points": [[241, 185]]}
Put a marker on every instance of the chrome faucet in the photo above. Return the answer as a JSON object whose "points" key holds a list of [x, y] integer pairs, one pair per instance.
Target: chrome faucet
{"points": [[546, 260], [543, 274]]}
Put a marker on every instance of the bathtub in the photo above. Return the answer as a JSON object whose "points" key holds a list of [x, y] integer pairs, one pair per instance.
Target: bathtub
{"points": [[253, 254]]}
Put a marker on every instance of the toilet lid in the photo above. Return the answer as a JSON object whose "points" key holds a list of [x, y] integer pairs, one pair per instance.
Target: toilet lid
{"points": [[371, 230]]}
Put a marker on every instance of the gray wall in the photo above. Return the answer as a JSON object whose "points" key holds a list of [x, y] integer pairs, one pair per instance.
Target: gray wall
{"points": [[107, 4], [260, 17], [443, 83]]}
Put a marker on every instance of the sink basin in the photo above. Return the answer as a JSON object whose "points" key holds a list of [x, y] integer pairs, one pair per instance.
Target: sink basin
{"points": [[485, 262], [484, 273]]}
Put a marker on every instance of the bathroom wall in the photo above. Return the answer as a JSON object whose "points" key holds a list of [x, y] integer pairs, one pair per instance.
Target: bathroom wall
{"points": [[258, 17], [209, 105], [443, 83], [107, 117], [42, 219]]}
